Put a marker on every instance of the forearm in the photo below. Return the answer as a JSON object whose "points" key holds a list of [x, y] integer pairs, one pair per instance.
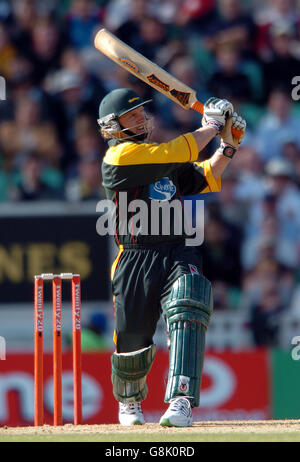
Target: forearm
{"points": [[203, 136], [218, 163]]}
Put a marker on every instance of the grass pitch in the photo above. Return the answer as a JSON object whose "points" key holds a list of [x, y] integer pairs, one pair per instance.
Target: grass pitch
{"points": [[155, 438], [223, 431]]}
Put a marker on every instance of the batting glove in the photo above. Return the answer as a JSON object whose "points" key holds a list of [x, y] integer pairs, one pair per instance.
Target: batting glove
{"points": [[229, 143], [236, 121], [216, 112]]}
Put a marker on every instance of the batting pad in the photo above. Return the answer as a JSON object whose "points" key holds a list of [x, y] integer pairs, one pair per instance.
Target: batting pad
{"points": [[188, 311], [129, 372]]}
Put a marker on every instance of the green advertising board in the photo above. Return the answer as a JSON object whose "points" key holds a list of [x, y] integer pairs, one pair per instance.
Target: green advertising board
{"points": [[285, 385]]}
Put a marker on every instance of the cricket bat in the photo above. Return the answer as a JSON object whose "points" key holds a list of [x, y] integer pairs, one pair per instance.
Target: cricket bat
{"points": [[149, 72]]}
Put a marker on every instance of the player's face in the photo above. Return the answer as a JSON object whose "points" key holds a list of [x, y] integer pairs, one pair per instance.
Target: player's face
{"points": [[134, 120]]}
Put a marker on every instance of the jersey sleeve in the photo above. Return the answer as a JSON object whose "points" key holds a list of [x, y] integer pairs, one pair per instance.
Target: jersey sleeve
{"points": [[131, 164], [197, 177]]}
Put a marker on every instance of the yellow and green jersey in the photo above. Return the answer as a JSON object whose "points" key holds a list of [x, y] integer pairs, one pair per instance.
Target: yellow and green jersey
{"points": [[154, 174]]}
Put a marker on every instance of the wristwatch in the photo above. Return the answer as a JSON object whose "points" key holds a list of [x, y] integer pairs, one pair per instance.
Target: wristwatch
{"points": [[227, 150]]}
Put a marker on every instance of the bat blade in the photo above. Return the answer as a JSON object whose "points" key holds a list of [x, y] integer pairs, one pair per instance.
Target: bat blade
{"points": [[146, 70]]}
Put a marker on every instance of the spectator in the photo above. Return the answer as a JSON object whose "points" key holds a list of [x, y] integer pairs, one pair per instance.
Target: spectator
{"points": [[82, 21], [165, 10], [282, 185], [92, 88], [295, 302], [5, 12], [152, 37], [280, 11], [7, 52], [221, 251], [265, 317], [232, 210], [88, 184], [277, 216], [279, 124], [248, 168], [37, 181], [222, 300], [24, 16], [127, 28], [229, 81], [232, 26], [270, 13], [47, 44], [266, 273], [195, 16], [291, 153], [281, 66], [21, 81], [263, 241], [66, 94], [86, 144], [29, 131]]}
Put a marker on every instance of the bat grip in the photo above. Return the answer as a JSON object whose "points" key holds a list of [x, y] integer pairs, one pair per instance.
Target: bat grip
{"points": [[197, 106], [236, 133]]}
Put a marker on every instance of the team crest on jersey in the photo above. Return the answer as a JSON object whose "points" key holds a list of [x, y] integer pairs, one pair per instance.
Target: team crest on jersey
{"points": [[193, 269], [162, 190], [184, 384]]}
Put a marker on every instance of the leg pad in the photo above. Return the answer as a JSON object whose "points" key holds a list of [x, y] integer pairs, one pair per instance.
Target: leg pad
{"points": [[188, 312], [129, 372]]}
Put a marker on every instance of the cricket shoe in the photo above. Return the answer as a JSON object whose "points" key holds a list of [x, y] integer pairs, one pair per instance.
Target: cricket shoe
{"points": [[131, 414], [178, 414]]}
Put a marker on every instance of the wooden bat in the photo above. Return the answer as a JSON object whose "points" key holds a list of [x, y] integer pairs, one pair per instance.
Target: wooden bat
{"points": [[149, 72]]}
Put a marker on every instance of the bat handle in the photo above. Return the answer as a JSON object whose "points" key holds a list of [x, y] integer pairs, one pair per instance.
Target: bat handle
{"points": [[236, 133], [197, 106]]}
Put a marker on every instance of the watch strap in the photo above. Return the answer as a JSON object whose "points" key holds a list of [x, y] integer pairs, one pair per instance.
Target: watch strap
{"points": [[227, 150]]}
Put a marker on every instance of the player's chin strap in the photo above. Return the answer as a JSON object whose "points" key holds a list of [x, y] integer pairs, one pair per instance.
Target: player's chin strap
{"points": [[131, 135]]}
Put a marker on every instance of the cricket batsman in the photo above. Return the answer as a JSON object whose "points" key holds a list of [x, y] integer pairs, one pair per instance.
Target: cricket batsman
{"points": [[156, 273]]}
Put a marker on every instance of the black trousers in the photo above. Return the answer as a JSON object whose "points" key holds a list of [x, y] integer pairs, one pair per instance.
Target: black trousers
{"points": [[142, 277]]}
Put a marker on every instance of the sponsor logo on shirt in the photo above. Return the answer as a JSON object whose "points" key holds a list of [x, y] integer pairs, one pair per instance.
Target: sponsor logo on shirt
{"points": [[162, 190]]}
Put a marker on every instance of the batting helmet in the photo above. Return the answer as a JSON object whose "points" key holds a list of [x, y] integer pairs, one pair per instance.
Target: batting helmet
{"points": [[115, 104]]}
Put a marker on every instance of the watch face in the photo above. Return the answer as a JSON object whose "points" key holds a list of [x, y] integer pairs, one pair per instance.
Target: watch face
{"points": [[228, 151]]}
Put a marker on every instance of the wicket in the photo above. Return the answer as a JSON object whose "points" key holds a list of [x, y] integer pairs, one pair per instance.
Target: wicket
{"points": [[57, 346]]}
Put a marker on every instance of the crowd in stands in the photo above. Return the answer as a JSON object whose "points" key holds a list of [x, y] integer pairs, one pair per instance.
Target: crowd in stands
{"points": [[247, 51]]}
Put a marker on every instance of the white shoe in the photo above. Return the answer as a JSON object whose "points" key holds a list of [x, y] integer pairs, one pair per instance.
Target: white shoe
{"points": [[131, 414], [178, 414]]}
